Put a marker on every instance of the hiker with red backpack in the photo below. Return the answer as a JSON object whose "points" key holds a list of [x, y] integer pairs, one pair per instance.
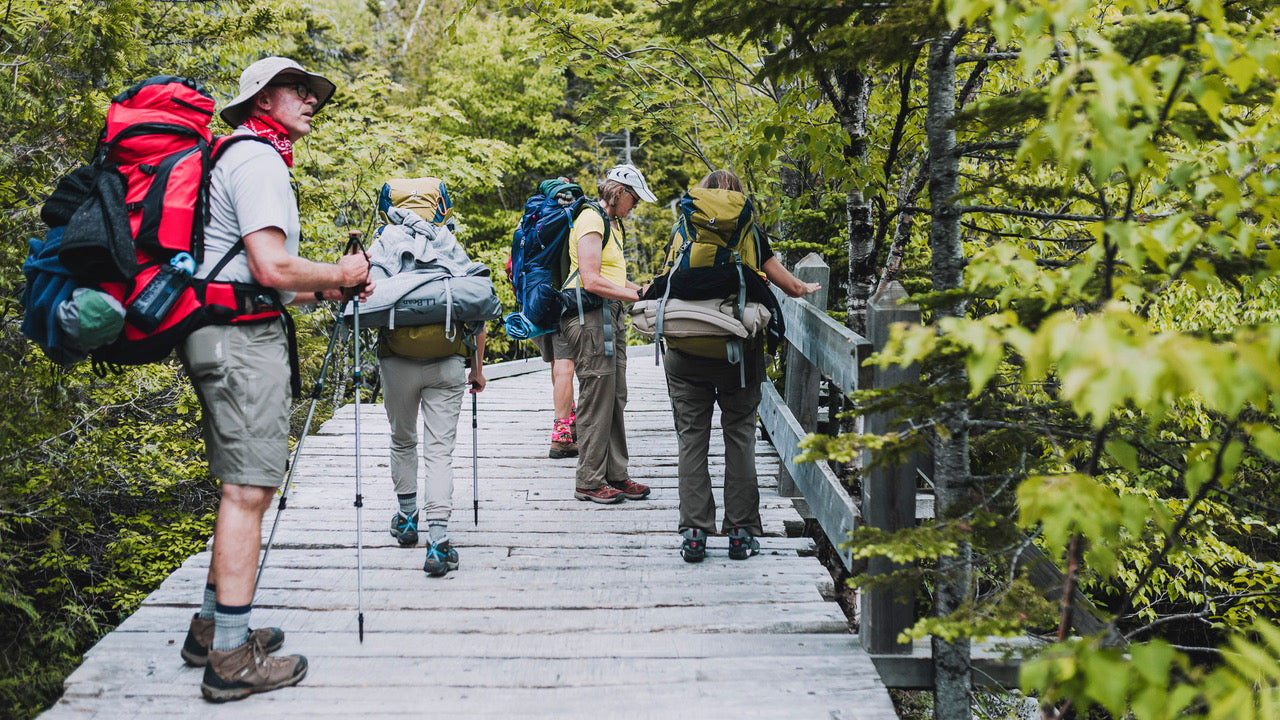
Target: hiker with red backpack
{"points": [[241, 372], [594, 325], [722, 248]]}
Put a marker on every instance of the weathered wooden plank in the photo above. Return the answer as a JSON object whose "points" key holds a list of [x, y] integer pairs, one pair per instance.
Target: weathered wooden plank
{"points": [[811, 617], [888, 493], [741, 698], [761, 568], [803, 378], [641, 542], [417, 591]]}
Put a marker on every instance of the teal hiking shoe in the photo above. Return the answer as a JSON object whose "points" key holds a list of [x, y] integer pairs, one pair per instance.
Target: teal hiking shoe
{"points": [[742, 545], [404, 528], [694, 547], [441, 558]]}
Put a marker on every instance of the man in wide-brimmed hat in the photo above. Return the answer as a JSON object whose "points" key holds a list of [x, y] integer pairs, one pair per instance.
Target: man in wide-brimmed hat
{"points": [[242, 371]]}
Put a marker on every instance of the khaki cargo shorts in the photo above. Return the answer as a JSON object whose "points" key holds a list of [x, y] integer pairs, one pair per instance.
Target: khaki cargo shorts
{"points": [[553, 346], [241, 374]]}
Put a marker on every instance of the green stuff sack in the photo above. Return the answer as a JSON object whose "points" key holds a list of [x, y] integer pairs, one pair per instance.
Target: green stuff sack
{"points": [[422, 342], [706, 346], [427, 197]]}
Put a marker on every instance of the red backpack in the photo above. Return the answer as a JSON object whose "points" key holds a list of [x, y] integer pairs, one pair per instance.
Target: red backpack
{"points": [[135, 220]]}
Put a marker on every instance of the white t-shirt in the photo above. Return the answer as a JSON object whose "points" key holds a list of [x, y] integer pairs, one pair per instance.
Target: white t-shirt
{"points": [[249, 190]]}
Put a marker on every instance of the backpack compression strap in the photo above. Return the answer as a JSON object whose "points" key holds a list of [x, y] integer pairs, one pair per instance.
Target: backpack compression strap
{"points": [[604, 306], [666, 292]]}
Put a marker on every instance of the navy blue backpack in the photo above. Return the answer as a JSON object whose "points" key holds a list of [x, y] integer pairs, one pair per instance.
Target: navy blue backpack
{"points": [[540, 256]]}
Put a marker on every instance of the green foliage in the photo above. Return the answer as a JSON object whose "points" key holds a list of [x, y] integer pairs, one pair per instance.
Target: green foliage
{"points": [[1120, 343], [1153, 681]]}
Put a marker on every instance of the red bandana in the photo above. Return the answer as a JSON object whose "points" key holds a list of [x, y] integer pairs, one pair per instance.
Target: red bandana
{"points": [[265, 127]]}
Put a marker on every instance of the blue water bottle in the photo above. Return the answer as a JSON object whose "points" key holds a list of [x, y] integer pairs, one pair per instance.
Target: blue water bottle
{"points": [[148, 310]]}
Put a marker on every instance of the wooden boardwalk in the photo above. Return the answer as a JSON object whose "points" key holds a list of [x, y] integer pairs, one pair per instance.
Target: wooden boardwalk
{"points": [[560, 608]]}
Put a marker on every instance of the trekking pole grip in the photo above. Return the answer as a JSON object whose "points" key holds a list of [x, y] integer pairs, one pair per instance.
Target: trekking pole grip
{"points": [[354, 246]]}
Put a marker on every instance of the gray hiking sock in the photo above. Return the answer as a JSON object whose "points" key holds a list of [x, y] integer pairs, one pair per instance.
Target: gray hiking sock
{"points": [[438, 530], [230, 626], [209, 602], [408, 503]]}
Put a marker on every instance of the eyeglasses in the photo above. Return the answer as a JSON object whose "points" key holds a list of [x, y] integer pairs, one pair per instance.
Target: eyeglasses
{"points": [[300, 88], [635, 197]]}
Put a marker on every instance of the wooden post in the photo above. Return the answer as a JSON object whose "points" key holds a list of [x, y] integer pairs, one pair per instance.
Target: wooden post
{"points": [[888, 493], [803, 377]]}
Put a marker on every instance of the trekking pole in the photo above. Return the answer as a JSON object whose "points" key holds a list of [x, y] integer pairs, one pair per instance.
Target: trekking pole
{"points": [[353, 244], [297, 451], [475, 455]]}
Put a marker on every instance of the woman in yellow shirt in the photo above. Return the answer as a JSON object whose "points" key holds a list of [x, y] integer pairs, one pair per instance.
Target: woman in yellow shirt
{"points": [[594, 327]]}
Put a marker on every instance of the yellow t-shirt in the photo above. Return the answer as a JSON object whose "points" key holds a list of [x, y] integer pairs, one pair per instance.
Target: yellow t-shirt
{"points": [[613, 263]]}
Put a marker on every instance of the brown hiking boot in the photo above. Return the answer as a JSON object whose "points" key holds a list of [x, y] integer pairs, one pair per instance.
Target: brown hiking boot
{"points": [[195, 649], [631, 490], [239, 672], [561, 450], [605, 495]]}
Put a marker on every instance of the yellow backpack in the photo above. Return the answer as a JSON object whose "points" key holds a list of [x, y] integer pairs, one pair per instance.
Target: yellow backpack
{"points": [[426, 197], [712, 226], [716, 230]]}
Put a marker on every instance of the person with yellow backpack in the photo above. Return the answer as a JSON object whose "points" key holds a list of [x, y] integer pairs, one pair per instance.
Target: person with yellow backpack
{"points": [[723, 252], [430, 309]]}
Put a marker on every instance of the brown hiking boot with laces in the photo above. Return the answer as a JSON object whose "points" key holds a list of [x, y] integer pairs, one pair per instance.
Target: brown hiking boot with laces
{"points": [[195, 649], [561, 450], [563, 442], [631, 489], [605, 495], [239, 672]]}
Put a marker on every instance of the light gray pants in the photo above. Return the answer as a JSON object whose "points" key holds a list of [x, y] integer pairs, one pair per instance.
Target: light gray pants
{"points": [[437, 386], [696, 385]]}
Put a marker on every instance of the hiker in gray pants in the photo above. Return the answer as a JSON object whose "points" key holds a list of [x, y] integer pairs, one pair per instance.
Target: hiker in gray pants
{"points": [[437, 386]]}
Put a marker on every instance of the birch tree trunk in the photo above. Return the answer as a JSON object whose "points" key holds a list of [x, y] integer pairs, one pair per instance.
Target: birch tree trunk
{"points": [[952, 688], [855, 93]]}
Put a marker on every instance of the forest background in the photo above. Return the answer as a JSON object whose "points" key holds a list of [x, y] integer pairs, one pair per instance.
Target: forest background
{"points": [[1081, 194]]}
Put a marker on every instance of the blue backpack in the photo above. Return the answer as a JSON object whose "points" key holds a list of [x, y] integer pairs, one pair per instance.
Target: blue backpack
{"points": [[540, 256]]}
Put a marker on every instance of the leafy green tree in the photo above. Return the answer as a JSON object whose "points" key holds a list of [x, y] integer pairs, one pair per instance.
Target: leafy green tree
{"points": [[1123, 195]]}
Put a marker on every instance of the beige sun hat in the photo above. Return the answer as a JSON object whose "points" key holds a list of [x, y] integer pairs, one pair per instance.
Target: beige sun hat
{"points": [[260, 74]]}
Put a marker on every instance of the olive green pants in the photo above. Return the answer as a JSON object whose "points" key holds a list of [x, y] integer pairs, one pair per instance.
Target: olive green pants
{"points": [[602, 397], [696, 385]]}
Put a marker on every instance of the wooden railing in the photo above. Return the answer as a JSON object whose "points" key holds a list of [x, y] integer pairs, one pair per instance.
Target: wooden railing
{"points": [[819, 347]]}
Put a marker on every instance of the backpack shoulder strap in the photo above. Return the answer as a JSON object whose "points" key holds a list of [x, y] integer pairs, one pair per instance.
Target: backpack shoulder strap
{"points": [[586, 203], [221, 144]]}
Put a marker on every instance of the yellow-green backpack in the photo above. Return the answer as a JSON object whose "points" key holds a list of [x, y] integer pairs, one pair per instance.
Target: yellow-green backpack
{"points": [[422, 342]]}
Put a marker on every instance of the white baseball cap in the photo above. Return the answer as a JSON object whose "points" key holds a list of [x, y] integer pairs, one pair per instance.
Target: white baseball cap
{"points": [[260, 74], [630, 176]]}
